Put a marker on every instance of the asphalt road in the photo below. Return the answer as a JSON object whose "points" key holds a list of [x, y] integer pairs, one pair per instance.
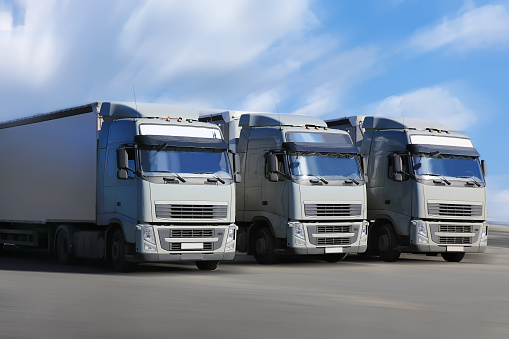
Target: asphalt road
{"points": [[360, 297]]}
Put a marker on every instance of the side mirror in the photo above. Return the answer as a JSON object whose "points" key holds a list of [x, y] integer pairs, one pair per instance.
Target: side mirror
{"points": [[483, 167], [398, 177], [272, 163], [397, 163], [122, 174], [237, 178], [122, 160], [273, 177]]}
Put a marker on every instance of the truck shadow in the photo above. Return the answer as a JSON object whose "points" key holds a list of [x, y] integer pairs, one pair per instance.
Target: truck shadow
{"points": [[29, 260]]}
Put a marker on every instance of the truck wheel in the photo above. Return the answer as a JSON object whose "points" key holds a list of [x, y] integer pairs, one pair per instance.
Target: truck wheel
{"points": [[1, 248], [334, 257], [453, 256], [118, 253], [264, 247], [63, 249], [387, 244], [210, 265]]}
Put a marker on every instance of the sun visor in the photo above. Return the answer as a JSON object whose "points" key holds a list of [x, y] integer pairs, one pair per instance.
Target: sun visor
{"points": [[319, 147], [443, 149], [172, 141]]}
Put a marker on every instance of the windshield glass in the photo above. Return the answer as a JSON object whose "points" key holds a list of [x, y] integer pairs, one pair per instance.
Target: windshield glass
{"points": [[185, 160], [447, 165], [324, 164]]}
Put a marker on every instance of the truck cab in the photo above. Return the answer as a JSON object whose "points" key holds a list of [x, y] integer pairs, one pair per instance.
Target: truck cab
{"points": [[426, 187], [302, 190]]}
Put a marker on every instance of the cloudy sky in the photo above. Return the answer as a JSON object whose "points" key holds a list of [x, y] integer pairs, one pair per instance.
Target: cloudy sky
{"points": [[441, 60]]}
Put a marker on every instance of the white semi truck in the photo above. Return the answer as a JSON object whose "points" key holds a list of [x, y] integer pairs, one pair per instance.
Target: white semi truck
{"points": [[426, 187], [121, 182], [302, 191]]}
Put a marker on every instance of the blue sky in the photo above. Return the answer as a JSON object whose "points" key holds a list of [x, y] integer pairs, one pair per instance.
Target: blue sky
{"points": [[441, 60]]}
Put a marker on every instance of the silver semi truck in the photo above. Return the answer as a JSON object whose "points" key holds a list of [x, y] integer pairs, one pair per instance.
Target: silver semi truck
{"points": [[426, 187], [301, 192], [122, 182]]}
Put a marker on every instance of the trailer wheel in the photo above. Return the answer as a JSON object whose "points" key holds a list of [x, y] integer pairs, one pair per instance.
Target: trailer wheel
{"points": [[453, 256], [63, 248], [209, 265], [118, 253], [387, 244], [264, 247], [334, 257]]}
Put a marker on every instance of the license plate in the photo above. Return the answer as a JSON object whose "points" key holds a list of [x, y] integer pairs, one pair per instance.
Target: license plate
{"points": [[455, 249], [334, 250], [192, 246]]}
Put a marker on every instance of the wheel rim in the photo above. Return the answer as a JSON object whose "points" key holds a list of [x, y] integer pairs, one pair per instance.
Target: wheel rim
{"points": [[115, 251], [383, 242], [261, 245]]}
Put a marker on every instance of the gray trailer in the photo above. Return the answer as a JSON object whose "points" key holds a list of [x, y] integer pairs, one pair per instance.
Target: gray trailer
{"points": [[122, 182], [426, 187], [302, 190]]}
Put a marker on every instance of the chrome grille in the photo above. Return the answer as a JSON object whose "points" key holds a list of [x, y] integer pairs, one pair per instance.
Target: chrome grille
{"points": [[454, 240], [182, 211], [455, 229], [191, 233], [455, 210], [332, 210], [176, 246], [333, 229], [333, 241]]}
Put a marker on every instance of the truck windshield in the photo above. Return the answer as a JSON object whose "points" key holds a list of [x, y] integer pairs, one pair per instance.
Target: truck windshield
{"points": [[454, 166], [185, 160], [324, 164]]}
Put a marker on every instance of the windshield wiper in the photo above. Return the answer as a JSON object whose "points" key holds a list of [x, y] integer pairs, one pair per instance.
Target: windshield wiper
{"points": [[440, 176], [472, 178], [176, 175], [351, 178], [214, 175]]}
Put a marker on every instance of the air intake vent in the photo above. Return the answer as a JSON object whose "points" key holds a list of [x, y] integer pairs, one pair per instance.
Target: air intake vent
{"points": [[455, 229], [454, 240], [181, 211], [333, 241], [187, 233], [332, 210], [454, 210], [333, 229]]}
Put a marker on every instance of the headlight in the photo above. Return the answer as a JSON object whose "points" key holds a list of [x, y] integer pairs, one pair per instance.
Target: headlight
{"points": [[231, 234], [484, 233], [148, 234], [299, 230], [421, 229], [364, 230]]}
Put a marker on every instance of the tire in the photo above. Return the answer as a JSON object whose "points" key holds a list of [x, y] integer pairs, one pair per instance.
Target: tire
{"points": [[334, 257], [207, 265], [264, 247], [1, 248], [388, 243], [453, 256], [118, 259], [63, 248]]}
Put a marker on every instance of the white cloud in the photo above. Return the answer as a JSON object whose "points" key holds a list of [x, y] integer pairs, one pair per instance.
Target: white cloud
{"points": [[5, 21], [497, 192], [477, 28], [432, 103]]}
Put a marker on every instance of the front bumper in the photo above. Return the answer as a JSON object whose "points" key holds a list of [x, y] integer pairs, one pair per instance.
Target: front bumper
{"points": [[326, 238], [444, 236], [173, 243]]}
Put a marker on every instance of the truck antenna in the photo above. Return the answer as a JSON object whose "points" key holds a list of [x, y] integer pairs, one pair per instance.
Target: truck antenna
{"points": [[135, 103], [278, 117], [401, 109]]}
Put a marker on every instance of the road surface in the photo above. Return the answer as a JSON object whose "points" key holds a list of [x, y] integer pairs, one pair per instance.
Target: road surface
{"points": [[360, 297]]}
